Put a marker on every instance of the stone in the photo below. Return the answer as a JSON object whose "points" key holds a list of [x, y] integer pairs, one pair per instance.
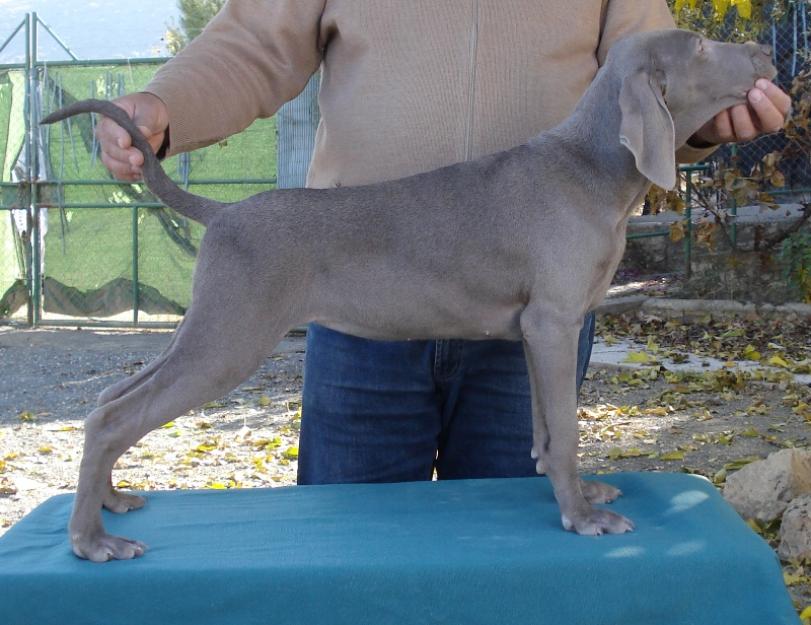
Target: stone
{"points": [[762, 490], [795, 530]]}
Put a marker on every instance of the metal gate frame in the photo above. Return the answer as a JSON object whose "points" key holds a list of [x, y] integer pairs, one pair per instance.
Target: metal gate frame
{"points": [[32, 194]]}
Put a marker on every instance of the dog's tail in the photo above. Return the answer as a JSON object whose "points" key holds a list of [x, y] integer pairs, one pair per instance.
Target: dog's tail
{"points": [[192, 206]]}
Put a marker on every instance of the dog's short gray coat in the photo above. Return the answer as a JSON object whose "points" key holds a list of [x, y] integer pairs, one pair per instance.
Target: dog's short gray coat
{"points": [[516, 245]]}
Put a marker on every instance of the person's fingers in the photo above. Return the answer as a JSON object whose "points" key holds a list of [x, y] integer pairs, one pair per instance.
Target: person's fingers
{"points": [[129, 155], [766, 112], [110, 133], [723, 128], [742, 123], [778, 97], [118, 154], [121, 170]]}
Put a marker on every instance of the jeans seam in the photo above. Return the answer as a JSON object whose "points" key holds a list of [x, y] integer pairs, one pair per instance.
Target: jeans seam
{"points": [[457, 363], [438, 346], [442, 355]]}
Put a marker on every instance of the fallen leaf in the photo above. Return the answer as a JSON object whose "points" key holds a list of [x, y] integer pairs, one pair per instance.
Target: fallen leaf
{"points": [[638, 358], [634, 452], [737, 463], [7, 488], [206, 447]]}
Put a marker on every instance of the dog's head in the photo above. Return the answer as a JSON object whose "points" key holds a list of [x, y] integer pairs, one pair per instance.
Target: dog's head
{"points": [[672, 83]]}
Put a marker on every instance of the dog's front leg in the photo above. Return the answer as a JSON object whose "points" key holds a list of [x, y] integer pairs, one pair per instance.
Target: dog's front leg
{"points": [[550, 342]]}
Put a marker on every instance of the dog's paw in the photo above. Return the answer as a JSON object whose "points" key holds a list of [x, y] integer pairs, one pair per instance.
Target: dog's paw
{"points": [[540, 465], [105, 547], [118, 502], [596, 522], [599, 492]]}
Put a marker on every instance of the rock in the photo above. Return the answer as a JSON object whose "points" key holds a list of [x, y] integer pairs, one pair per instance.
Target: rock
{"points": [[763, 490], [795, 530]]}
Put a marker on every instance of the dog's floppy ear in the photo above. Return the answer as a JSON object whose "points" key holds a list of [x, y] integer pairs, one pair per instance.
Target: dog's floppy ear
{"points": [[647, 128]]}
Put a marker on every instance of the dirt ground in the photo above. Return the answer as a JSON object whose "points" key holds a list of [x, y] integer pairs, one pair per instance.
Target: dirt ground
{"points": [[630, 421]]}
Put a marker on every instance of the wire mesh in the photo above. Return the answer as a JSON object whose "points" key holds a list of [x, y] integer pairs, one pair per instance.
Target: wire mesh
{"points": [[789, 40], [110, 250]]}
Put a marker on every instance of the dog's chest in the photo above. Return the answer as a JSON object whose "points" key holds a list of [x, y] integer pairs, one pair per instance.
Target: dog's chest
{"points": [[606, 266]]}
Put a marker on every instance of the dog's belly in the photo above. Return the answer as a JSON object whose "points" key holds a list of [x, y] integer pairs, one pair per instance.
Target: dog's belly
{"points": [[422, 332], [385, 316]]}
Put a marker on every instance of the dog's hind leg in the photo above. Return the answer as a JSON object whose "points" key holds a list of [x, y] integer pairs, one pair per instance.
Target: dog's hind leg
{"points": [[120, 502], [117, 389], [115, 500], [200, 366]]}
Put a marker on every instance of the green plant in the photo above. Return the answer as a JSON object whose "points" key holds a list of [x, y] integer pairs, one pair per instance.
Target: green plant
{"points": [[729, 20], [194, 15], [795, 260]]}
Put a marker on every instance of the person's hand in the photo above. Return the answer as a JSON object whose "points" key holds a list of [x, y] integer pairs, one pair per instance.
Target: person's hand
{"points": [[151, 116], [765, 111]]}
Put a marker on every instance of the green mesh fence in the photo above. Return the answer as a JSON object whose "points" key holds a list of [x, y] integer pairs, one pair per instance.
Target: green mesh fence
{"points": [[110, 251], [12, 135]]}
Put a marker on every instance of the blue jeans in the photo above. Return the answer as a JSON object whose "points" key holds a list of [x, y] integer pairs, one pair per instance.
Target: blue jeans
{"points": [[392, 411]]}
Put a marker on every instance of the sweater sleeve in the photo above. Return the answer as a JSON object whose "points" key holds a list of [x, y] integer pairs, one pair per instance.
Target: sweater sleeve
{"points": [[254, 56], [623, 17]]}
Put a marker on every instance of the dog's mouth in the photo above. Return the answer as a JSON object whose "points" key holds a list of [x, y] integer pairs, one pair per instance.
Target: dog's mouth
{"points": [[770, 73], [764, 68]]}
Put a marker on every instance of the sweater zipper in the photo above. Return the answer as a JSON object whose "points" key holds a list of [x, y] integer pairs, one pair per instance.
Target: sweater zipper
{"points": [[474, 44]]}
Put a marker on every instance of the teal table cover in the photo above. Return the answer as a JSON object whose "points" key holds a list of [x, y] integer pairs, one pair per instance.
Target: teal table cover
{"points": [[462, 552]]}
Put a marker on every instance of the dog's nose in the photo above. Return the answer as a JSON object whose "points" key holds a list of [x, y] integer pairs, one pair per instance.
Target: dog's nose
{"points": [[762, 59]]}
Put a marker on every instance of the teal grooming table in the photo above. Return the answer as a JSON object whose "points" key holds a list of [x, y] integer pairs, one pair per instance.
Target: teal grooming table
{"points": [[454, 553]]}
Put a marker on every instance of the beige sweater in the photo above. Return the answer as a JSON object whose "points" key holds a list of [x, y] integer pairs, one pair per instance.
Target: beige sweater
{"points": [[407, 85]]}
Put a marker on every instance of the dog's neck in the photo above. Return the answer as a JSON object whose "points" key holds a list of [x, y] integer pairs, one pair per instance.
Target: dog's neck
{"points": [[592, 133]]}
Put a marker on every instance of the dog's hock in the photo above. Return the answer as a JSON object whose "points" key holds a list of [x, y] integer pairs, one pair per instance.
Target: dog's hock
{"points": [[647, 130]]}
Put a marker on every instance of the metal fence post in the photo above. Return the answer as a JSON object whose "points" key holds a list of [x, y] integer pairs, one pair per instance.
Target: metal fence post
{"points": [[688, 236], [32, 247], [29, 277], [33, 175], [136, 291], [734, 207]]}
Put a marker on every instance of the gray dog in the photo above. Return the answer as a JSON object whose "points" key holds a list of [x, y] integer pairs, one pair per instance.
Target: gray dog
{"points": [[517, 245]]}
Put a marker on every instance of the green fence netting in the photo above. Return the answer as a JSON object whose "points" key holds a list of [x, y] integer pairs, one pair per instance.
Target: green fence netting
{"points": [[12, 136], [110, 248]]}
